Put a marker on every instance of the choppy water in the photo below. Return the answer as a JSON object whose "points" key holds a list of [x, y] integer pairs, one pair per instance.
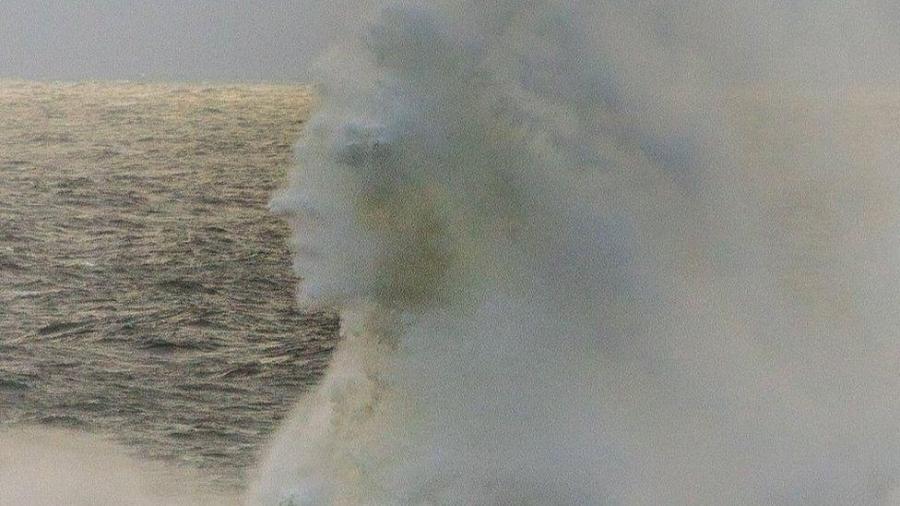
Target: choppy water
{"points": [[145, 289]]}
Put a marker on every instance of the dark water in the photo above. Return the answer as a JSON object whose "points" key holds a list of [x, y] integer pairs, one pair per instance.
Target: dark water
{"points": [[145, 289]]}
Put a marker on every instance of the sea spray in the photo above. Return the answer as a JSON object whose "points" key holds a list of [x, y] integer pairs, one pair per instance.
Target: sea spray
{"points": [[599, 253], [44, 467]]}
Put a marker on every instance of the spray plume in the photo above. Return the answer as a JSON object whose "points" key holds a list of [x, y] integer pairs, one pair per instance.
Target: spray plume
{"points": [[601, 252]]}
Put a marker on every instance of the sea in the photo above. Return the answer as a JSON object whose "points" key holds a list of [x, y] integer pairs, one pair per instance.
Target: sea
{"points": [[146, 291]]}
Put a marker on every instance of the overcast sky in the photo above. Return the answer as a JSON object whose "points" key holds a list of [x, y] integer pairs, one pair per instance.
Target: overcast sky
{"points": [[246, 40]]}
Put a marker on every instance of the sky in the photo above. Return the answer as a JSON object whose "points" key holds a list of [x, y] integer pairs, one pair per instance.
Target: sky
{"points": [[276, 40], [216, 40]]}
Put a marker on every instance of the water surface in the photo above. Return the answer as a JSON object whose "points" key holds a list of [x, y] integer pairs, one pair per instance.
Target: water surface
{"points": [[145, 289]]}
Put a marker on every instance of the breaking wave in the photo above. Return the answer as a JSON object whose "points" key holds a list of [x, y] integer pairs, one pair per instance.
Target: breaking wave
{"points": [[601, 253]]}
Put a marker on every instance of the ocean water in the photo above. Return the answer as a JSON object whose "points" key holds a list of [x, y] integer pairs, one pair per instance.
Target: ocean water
{"points": [[146, 293]]}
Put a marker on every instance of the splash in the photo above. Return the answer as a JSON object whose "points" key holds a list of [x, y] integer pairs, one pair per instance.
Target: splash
{"points": [[40, 467], [600, 253]]}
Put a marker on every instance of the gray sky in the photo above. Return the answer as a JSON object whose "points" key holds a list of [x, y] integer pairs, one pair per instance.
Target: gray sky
{"points": [[246, 40]]}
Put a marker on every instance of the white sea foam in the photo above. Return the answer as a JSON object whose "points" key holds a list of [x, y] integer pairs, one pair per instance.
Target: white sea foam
{"points": [[601, 253], [50, 468]]}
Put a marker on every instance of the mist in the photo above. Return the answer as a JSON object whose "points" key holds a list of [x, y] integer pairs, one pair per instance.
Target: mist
{"points": [[601, 253]]}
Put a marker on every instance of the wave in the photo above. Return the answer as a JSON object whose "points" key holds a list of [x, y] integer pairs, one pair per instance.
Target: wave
{"points": [[600, 253]]}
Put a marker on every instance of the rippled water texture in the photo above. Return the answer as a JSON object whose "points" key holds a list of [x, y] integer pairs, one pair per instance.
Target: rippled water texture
{"points": [[145, 289]]}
